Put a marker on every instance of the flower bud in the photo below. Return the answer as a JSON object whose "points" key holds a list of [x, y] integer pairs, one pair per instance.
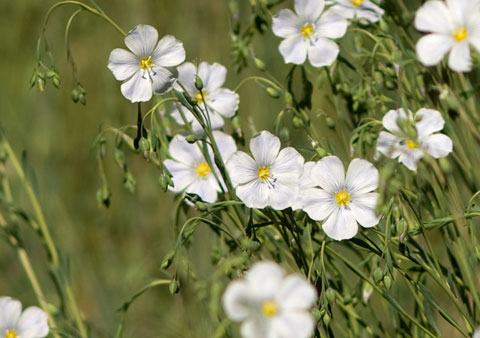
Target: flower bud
{"points": [[259, 63], [75, 95], [41, 83], [273, 92], [167, 261], [191, 139], [119, 158], [401, 226], [284, 134], [163, 181], [330, 123], [288, 98], [321, 152], [201, 206], [387, 281], [174, 286], [198, 83], [33, 80], [331, 295], [56, 81], [377, 275], [297, 122], [144, 145], [326, 319]]}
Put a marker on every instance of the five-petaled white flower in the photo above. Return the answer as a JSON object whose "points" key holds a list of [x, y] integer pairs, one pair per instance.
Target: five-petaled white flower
{"points": [[476, 334], [342, 202], [413, 136], [191, 172], [454, 25], [149, 68], [270, 303], [359, 9], [305, 182], [271, 178], [32, 323], [308, 32], [221, 102]]}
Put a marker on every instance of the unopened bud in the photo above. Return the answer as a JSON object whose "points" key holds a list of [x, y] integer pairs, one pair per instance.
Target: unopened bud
{"points": [[297, 122], [191, 139], [201, 206], [167, 261], [331, 295], [174, 287], [321, 152], [75, 95], [163, 181], [330, 123], [198, 83], [326, 319], [259, 63], [387, 281], [284, 134], [41, 84], [288, 98], [377, 275], [144, 145], [56, 81], [273, 92]]}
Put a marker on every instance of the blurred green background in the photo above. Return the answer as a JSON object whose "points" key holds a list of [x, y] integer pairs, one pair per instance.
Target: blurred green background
{"points": [[111, 252]]}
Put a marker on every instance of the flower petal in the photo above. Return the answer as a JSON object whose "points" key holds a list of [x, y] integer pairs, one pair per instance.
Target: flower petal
{"points": [[282, 196], [331, 24], [322, 52], [293, 324], [138, 88], [460, 59], [254, 194], [33, 323], [317, 203], [186, 77], [256, 328], [370, 11], [286, 23], [207, 188], [460, 9], [309, 10], [294, 49], [295, 293], [340, 225], [429, 121], [410, 158], [437, 146], [434, 16], [242, 168], [213, 76], [288, 166], [184, 152], [169, 52], [182, 174], [306, 180], [224, 102], [362, 177], [388, 144], [163, 79], [216, 122], [431, 48], [265, 147], [10, 310], [329, 174], [226, 144], [389, 121], [265, 278], [363, 209], [236, 300], [123, 64], [141, 40]]}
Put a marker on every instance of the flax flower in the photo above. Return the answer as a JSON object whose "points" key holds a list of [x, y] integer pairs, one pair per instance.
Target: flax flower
{"points": [[305, 182], [149, 67], [308, 31], [271, 177], [342, 201], [411, 145], [453, 25], [191, 172], [270, 303], [221, 102], [359, 9], [32, 323]]}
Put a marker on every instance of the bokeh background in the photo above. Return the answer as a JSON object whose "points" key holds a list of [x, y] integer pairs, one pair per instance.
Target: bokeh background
{"points": [[111, 252]]}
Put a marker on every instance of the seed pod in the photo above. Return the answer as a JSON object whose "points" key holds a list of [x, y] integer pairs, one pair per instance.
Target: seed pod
{"points": [[326, 319], [75, 95], [377, 275], [387, 281], [331, 295]]}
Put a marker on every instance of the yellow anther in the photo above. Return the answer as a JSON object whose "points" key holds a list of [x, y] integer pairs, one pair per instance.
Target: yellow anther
{"points": [[269, 308], [146, 63], [11, 334], [263, 173], [308, 31], [460, 34], [342, 197], [357, 2], [203, 169], [411, 144], [198, 97]]}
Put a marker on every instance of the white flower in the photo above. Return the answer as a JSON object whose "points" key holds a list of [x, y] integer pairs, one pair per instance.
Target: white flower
{"points": [[308, 32], [221, 102], [411, 148], [476, 334], [305, 182], [454, 25], [271, 178], [32, 323], [191, 172], [149, 67], [342, 201], [360, 9], [271, 304]]}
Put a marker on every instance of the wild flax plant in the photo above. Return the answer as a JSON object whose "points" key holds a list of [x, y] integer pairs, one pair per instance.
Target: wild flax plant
{"points": [[370, 232]]}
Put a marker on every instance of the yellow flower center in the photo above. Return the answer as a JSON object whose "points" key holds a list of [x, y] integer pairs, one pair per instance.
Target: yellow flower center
{"points": [[263, 173], [460, 34], [342, 197], [411, 144], [308, 31], [269, 308], [146, 63], [357, 2], [11, 334], [198, 97], [203, 169]]}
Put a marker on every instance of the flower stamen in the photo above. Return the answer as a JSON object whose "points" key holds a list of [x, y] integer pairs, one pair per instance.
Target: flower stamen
{"points": [[11, 334], [308, 31], [269, 308], [146, 63], [198, 97], [411, 144], [357, 2], [203, 169], [460, 34], [343, 198], [263, 173]]}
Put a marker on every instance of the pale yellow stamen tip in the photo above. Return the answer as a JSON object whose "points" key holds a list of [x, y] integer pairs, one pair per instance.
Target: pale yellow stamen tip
{"points": [[357, 2], [263, 173], [460, 34], [269, 308], [146, 63], [203, 170], [342, 197], [198, 97], [308, 31], [11, 334], [411, 144]]}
